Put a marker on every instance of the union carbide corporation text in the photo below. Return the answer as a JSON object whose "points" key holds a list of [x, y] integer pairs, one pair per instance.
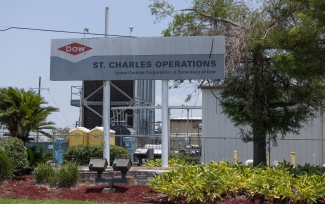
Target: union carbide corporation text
{"points": [[167, 72]]}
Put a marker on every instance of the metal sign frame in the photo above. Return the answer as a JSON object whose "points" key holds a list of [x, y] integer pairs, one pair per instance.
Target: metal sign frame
{"points": [[131, 58]]}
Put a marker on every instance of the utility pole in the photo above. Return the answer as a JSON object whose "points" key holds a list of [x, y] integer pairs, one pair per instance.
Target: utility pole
{"points": [[39, 86], [39, 93]]}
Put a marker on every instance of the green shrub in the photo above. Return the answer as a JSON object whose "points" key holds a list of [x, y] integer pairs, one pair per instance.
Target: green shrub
{"points": [[44, 172], [210, 182], [52, 181], [186, 158], [81, 154], [36, 156], [175, 160], [6, 166], [117, 151], [18, 152], [301, 170], [68, 175]]}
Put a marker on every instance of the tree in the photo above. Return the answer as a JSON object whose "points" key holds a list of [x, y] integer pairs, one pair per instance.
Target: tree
{"points": [[63, 133], [24, 111], [274, 62]]}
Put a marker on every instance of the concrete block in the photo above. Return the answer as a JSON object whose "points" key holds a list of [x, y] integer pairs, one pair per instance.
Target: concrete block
{"points": [[109, 190]]}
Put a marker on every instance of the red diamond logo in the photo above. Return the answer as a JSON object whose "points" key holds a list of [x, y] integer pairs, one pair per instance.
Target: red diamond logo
{"points": [[75, 48]]}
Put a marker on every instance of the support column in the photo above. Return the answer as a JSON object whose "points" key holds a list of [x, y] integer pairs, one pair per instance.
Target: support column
{"points": [[164, 118], [106, 106]]}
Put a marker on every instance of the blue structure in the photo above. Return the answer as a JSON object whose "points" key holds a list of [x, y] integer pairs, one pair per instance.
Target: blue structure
{"points": [[128, 145], [58, 150]]}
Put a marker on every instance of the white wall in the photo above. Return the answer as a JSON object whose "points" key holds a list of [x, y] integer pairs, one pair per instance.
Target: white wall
{"points": [[308, 145]]}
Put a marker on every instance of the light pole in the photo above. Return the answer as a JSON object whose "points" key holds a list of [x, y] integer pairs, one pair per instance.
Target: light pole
{"points": [[86, 30], [131, 29], [80, 107], [199, 126]]}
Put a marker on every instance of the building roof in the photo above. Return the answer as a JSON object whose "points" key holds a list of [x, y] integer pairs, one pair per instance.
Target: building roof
{"points": [[100, 129], [83, 129], [185, 118]]}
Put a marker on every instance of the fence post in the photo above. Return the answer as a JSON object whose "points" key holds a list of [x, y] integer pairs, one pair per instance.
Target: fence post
{"points": [[235, 157], [267, 158], [293, 159]]}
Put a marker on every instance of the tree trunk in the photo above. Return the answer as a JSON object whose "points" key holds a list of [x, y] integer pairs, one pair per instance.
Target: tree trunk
{"points": [[259, 145]]}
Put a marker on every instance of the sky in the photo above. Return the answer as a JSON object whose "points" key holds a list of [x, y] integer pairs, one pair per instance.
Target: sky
{"points": [[25, 54]]}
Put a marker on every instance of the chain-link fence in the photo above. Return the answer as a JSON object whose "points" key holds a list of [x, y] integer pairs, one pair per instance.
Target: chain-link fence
{"points": [[293, 150]]}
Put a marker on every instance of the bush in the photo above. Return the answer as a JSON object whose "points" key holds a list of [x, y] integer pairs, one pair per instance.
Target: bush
{"points": [[186, 158], [43, 173], [6, 166], [117, 151], [81, 154], [36, 156], [18, 152], [175, 160], [302, 170], [66, 175]]}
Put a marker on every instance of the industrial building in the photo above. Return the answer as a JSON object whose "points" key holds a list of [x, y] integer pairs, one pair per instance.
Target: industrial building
{"points": [[221, 139], [137, 93]]}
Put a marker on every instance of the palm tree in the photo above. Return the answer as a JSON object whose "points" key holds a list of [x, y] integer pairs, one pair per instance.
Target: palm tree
{"points": [[24, 111]]}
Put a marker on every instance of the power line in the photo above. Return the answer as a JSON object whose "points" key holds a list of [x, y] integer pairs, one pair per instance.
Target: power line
{"points": [[58, 107], [60, 119], [16, 75], [63, 31], [40, 88]]}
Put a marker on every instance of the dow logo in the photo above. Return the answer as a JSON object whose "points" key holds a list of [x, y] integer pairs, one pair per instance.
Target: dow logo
{"points": [[75, 48]]}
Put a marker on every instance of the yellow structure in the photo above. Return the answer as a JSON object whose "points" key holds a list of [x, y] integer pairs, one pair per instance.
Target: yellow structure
{"points": [[293, 159], [96, 136], [183, 125], [78, 136], [235, 157]]}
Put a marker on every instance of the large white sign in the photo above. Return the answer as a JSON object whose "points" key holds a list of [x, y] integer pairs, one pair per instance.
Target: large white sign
{"points": [[130, 58]]}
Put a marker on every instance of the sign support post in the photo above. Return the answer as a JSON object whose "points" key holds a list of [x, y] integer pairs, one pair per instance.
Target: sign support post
{"points": [[165, 122], [106, 106]]}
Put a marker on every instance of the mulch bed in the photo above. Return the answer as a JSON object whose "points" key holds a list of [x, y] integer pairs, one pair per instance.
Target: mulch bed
{"points": [[25, 187]]}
